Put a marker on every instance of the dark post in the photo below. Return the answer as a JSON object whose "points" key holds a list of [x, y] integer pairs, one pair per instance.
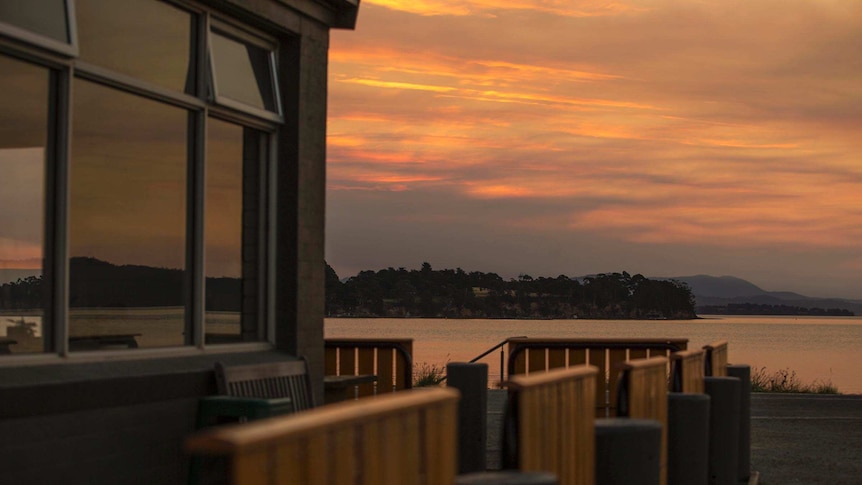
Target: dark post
{"points": [[743, 373], [723, 429], [472, 381], [628, 451], [687, 438]]}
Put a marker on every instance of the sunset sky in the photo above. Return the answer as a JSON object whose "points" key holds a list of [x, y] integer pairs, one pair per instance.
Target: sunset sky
{"points": [[548, 137]]}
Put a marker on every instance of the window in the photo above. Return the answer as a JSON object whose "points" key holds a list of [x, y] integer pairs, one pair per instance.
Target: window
{"points": [[144, 39], [127, 218], [164, 238], [42, 22], [24, 91], [242, 73], [231, 233]]}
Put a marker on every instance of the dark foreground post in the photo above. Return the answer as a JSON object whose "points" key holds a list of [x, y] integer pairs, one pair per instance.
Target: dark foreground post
{"points": [[628, 451], [472, 381], [723, 429], [743, 373], [687, 438]]}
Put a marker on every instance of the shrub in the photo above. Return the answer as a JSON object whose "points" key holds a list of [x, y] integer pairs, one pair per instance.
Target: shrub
{"points": [[785, 380], [425, 374]]}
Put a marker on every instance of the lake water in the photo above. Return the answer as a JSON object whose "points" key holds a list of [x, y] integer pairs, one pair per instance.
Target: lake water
{"points": [[817, 348]]}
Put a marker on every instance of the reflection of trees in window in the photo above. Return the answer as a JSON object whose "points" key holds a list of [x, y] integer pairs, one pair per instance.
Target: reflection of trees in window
{"points": [[127, 210], [138, 170], [24, 93]]}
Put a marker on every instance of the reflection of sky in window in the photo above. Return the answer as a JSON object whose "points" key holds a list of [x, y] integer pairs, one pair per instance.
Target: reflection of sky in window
{"points": [[21, 204], [128, 178], [223, 229], [241, 72], [23, 134], [141, 38], [45, 17]]}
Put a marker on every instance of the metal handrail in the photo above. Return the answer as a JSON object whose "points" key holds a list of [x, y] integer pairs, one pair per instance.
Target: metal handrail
{"points": [[483, 354]]}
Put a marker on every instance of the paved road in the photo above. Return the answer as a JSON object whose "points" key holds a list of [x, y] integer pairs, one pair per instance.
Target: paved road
{"points": [[806, 439]]}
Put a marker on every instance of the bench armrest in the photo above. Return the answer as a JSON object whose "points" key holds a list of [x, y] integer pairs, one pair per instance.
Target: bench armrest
{"points": [[214, 409]]}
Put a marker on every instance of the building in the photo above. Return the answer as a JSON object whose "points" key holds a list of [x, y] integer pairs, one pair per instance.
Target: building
{"points": [[162, 179]]}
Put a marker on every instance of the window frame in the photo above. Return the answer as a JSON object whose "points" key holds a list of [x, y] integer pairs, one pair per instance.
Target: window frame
{"points": [[65, 69], [27, 36], [243, 36]]}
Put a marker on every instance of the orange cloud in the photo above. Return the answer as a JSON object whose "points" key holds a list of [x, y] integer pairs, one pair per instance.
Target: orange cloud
{"points": [[26, 263], [588, 8]]}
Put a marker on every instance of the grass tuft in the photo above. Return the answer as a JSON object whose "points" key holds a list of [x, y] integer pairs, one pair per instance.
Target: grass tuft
{"points": [[785, 380], [425, 375]]}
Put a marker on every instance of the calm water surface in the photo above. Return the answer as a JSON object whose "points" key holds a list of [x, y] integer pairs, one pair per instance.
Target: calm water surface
{"points": [[817, 348]]}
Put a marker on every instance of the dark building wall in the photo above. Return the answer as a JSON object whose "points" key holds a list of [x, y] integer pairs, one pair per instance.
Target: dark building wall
{"points": [[105, 422]]}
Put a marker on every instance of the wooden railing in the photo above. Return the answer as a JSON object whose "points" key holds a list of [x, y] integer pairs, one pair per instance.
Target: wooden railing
{"points": [[400, 438], [553, 422], [530, 355], [389, 359], [643, 394], [716, 359], [687, 371]]}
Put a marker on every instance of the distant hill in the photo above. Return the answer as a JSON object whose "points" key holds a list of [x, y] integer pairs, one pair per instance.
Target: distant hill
{"points": [[11, 275], [725, 290]]}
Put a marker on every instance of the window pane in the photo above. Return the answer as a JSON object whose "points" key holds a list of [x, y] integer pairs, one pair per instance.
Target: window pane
{"points": [[44, 17], [146, 39], [127, 220], [230, 232], [242, 72], [23, 138]]}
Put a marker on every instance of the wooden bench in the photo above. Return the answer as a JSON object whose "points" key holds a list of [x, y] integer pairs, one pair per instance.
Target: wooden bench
{"points": [[643, 394], [687, 371], [405, 438], [388, 359], [550, 424], [529, 355], [248, 392], [716, 359]]}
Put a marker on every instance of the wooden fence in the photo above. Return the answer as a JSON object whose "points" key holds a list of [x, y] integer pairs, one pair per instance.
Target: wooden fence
{"points": [[389, 359], [716, 359], [405, 438], [687, 371], [530, 355], [643, 394], [552, 419]]}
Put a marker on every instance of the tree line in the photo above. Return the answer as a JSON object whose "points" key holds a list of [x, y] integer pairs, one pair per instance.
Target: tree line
{"points": [[389, 292], [766, 309], [448, 293]]}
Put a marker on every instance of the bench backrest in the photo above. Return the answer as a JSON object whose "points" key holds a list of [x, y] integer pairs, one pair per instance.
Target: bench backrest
{"points": [[389, 359], [716, 359], [529, 355], [269, 380], [643, 394], [550, 424], [687, 371], [405, 438]]}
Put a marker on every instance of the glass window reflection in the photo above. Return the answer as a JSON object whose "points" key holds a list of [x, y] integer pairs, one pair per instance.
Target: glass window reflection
{"points": [[231, 209], [44, 17], [127, 221], [24, 91], [146, 39], [242, 72]]}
